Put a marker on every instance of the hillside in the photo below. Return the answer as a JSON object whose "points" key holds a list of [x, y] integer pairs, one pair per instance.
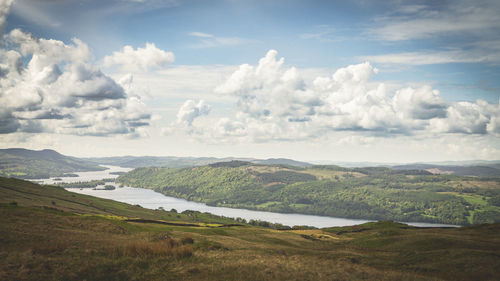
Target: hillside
{"points": [[48, 233], [182, 162], [366, 193], [33, 164], [491, 171]]}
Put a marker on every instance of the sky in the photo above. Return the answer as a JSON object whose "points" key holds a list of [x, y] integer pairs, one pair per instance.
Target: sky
{"points": [[380, 81]]}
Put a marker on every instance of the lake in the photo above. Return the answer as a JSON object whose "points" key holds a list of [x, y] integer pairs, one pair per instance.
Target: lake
{"points": [[86, 176], [153, 200]]}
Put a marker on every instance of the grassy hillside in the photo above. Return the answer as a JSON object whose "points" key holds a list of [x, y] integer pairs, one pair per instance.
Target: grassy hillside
{"points": [[32, 164], [48, 233], [367, 193]]}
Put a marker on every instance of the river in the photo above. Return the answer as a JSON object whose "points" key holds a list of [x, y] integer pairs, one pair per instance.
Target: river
{"points": [[150, 199]]}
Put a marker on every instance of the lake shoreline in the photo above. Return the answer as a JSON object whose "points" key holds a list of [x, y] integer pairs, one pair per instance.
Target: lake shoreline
{"points": [[152, 199]]}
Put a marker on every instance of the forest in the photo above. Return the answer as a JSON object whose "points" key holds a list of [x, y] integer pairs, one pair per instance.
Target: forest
{"points": [[364, 193]]}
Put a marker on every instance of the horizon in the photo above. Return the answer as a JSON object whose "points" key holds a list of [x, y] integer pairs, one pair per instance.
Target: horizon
{"points": [[313, 81], [474, 162]]}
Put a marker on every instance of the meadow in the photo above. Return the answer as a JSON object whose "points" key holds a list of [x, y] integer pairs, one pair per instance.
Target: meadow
{"points": [[48, 233]]}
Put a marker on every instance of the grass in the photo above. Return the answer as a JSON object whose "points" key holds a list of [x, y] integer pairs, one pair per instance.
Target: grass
{"points": [[86, 238]]}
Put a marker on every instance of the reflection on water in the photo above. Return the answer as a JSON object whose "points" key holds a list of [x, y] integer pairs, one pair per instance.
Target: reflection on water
{"points": [[150, 199]]}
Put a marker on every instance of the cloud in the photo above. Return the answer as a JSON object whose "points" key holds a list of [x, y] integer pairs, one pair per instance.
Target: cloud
{"points": [[436, 57], [200, 35], [186, 115], [141, 59], [191, 110], [275, 102], [30, 11], [467, 30], [478, 117], [324, 33], [408, 22], [4, 12], [60, 90], [207, 40]]}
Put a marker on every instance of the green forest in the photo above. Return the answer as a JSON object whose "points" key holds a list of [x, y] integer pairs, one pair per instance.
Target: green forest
{"points": [[364, 193]]}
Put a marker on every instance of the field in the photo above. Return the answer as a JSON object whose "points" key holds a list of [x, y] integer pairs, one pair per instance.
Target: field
{"points": [[48, 233]]}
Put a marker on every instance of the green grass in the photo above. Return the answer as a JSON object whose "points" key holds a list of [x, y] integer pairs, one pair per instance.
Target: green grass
{"points": [[86, 238]]}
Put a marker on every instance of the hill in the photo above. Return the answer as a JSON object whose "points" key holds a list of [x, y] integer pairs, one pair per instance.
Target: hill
{"points": [[48, 233], [377, 193], [182, 162], [492, 171], [33, 164]]}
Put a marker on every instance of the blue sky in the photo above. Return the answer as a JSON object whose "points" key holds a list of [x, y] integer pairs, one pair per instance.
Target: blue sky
{"points": [[445, 52], [326, 34]]}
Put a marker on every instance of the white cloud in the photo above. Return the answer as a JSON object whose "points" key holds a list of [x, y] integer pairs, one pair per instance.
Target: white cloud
{"points": [[275, 103], [436, 57], [207, 40], [191, 110], [200, 34], [60, 90], [141, 59], [478, 117], [4, 11]]}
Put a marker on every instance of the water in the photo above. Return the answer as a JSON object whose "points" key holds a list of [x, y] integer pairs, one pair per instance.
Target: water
{"points": [[150, 199], [86, 176]]}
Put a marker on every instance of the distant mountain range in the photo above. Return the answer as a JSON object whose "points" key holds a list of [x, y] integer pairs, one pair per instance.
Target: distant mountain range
{"points": [[182, 162], [474, 170], [33, 164], [29, 164]]}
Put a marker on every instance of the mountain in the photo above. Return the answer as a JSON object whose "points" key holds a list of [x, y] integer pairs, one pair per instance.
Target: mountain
{"points": [[48, 233], [182, 162], [35, 164], [377, 193]]}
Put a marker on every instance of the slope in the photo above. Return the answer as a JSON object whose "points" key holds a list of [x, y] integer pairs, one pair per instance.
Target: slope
{"points": [[63, 242], [32, 164]]}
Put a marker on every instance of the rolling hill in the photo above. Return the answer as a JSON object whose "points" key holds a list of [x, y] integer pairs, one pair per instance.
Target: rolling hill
{"points": [[48, 233], [492, 171], [182, 162], [33, 164]]}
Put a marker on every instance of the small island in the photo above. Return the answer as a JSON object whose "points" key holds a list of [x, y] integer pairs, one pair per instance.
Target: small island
{"points": [[109, 187]]}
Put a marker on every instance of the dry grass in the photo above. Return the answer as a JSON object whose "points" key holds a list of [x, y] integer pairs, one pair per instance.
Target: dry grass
{"points": [[163, 248]]}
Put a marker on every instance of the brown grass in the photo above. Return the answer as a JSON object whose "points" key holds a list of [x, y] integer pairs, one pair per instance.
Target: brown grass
{"points": [[163, 248]]}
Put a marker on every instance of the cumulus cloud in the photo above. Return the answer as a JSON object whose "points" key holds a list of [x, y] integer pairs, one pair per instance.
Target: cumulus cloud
{"points": [[191, 110], [141, 59], [47, 85], [4, 11], [275, 102]]}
